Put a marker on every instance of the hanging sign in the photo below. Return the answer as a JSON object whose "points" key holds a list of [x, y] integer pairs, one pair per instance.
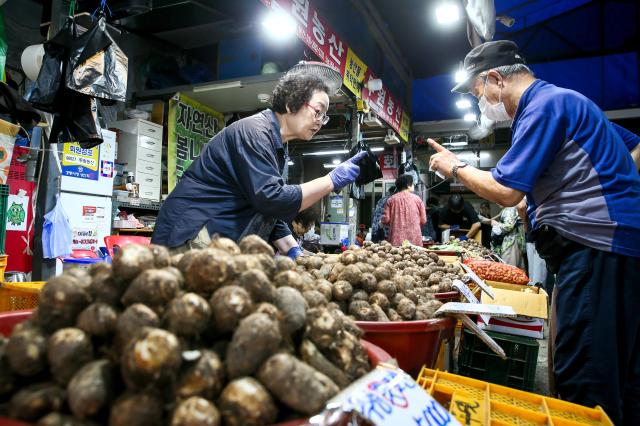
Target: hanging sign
{"points": [[80, 162], [316, 33], [191, 126], [17, 212]]}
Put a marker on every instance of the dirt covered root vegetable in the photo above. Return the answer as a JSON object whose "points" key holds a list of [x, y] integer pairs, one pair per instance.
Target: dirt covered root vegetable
{"points": [[98, 319], [322, 327], [427, 310], [131, 260], [314, 298], [188, 315], [369, 282], [342, 291], [26, 350], [68, 350], [7, 376], [296, 384], [61, 300], [289, 279], [153, 357], [92, 388], [57, 419], [406, 308], [226, 244], [137, 409], [258, 285], [229, 305], [195, 411], [256, 338], [153, 287], [34, 401], [106, 289], [161, 256], [132, 321], [381, 316], [393, 315], [210, 269], [312, 356], [245, 402], [347, 353], [204, 378], [183, 260], [293, 308], [253, 244], [284, 263]]}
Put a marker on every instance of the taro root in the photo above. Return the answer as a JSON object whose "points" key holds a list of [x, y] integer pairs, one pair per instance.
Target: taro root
{"points": [[387, 287], [153, 287], [369, 283], [61, 300], [195, 411], [411, 295], [293, 308], [348, 257], [185, 260], [407, 309], [356, 305], [137, 409], [7, 376], [360, 295], [98, 319], [68, 350], [296, 384], [324, 287], [382, 273], [258, 285], [131, 260], [393, 315], [175, 259], [132, 321], [288, 279], [312, 356], [253, 244], [106, 289], [210, 269], [176, 272], [188, 315], [229, 305], [335, 272], [266, 263], [270, 310], [99, 268], [380, 300], [347, 353], [256, 338], [342, 291], [34, 401], [205, 378], [226, 244], [153, 357], [351, 274], [366, 313], [246, 402], [325, 270], [314, 298], [26, 350], [57, 419], [322, 326], [381, 316], [92, 388], [397, 298], [161, 256], [428, 309]]}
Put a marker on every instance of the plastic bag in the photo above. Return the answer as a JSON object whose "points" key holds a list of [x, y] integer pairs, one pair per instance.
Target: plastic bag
{"points": [[56, 233], [369, 171], [496, 271], [97, 66]]}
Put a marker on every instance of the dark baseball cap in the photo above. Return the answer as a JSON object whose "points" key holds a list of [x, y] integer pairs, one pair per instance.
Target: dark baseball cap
{"points": [[491, 54]]}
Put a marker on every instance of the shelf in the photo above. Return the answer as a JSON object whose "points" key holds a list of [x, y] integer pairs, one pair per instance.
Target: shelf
{"points": [[117, 231], [137, 203]]}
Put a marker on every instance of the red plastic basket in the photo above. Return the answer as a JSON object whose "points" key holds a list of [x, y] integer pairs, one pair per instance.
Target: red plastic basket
{"points": [[8, 320], [412, 343]]}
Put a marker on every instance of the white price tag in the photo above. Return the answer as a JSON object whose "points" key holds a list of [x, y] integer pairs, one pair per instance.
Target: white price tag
{"points": [[390, 397], [466, 292], [477, 280]]}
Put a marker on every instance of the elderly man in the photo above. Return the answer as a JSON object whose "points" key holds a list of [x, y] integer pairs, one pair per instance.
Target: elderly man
{"points": [[583, 196]]}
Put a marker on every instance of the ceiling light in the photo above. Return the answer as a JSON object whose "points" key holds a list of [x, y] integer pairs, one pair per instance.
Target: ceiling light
{"points": [[460, 76], [264, 97], [335, 161], [279, 25], [463, 104], [470, 117], [290, 163], [459, 143], [329, 166], [447, 13], [217, 86], [340, 151], [378, 149]]}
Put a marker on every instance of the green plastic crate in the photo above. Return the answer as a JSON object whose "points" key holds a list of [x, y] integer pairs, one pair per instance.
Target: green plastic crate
{"points": [[518, 371], [4, 199]]}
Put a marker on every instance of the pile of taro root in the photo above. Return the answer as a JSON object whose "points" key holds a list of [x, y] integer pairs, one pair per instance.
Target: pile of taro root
{"points": [[378, 282], [218, 336]]}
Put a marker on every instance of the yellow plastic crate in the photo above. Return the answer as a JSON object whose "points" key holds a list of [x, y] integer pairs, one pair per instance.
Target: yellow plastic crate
{"points": [[475, 402], [19, 296]]}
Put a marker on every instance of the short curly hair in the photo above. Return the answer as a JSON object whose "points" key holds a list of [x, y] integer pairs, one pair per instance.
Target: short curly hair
{"points": [[403, 182], [295, 90]]}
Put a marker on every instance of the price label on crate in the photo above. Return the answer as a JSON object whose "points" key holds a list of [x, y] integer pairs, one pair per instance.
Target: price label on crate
{"points": [[390, 397], [477, 280], [466, 292]]}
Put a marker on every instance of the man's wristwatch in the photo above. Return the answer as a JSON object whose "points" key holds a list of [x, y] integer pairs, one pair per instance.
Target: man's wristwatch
{"points": [[454, 170]]}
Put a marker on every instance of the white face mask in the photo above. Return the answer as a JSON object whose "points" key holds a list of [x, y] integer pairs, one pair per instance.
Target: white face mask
{"points": [[496, 112]]}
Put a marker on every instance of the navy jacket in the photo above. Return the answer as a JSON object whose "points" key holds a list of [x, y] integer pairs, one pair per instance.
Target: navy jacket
{"points": [[235, 187]]}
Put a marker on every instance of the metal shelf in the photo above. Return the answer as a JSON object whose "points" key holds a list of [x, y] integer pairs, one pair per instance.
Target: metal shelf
{"points": [[138, 203]]}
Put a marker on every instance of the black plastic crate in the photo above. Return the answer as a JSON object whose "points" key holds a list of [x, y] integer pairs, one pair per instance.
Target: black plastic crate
{"points": [[518, 371]]}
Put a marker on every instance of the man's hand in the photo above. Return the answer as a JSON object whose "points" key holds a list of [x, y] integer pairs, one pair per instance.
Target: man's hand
{"points": [[443, 160]]}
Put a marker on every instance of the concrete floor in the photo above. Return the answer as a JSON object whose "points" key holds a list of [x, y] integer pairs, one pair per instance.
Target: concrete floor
{"points": [[542, 376]]}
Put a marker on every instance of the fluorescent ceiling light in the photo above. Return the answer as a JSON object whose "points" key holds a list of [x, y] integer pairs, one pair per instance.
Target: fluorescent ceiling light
{"points": [[218, 86], [340, 151], [335, 161], [290, 163], [279, 25], [377, 149], [460, 76], [470, 117], [329, 166], [459, 143], [447, 13], [463, 103]]}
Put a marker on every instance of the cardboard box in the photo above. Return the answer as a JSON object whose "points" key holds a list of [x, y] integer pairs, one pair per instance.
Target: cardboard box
{"points": [[530, 303]]}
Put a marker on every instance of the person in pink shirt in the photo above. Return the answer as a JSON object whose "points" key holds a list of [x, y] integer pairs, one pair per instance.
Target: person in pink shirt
{"points": [[405, 214]]}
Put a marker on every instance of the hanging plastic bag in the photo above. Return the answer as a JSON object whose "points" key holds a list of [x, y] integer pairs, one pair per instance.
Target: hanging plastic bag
{"points": [[78, 122], [56, 233], [97, 66], [369, 171]]}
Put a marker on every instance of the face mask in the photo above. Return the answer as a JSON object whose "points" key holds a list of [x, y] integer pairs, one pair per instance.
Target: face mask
{"points": [[495, 112]]}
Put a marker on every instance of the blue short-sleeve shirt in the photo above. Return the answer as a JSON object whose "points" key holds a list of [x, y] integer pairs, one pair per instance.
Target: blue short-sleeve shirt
{"points": [[576, 169], [234, 187]]}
